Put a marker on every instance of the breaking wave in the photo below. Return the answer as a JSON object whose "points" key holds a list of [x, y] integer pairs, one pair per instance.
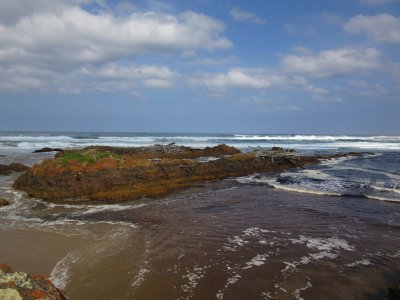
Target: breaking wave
{"points": [[346, 177], [30, 141]]}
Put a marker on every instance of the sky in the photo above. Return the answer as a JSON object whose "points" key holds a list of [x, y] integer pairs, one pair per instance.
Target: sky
{"points": [[309, 67]]}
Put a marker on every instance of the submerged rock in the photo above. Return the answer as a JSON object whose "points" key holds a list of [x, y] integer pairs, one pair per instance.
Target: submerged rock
{"points": [[101, 173], [20, 285], [14, 167]]}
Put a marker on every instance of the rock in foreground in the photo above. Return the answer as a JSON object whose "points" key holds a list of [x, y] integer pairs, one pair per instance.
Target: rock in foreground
{"points": [[20, 285], [14, 167], [116, 174]]}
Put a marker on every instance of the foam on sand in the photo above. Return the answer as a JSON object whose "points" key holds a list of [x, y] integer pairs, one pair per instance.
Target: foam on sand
{"points": [[327, 248], [62, 271], [256, 261], [363, 262], [324, 244], [300, 189]]}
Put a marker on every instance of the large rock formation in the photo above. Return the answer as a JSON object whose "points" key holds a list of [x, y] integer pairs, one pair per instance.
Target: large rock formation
{"points": [[117, 174], [20, 285]]}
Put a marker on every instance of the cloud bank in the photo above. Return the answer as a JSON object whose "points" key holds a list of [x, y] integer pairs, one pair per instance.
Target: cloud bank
{"points": [[42, 38]]}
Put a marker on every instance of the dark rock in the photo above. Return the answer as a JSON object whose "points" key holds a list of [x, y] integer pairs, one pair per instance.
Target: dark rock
{"points": [[20, 285], [276, 149], [14, 167], [47, 149], [4, 202], [17, 167], [394, 291]]}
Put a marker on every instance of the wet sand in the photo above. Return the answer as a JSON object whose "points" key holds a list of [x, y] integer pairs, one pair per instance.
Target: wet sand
{"points": [[34, 251]]}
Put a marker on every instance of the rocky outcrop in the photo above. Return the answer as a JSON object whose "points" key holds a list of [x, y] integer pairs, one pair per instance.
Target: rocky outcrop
{"points": [[117, 174], [14, 167], [159, 151], [47, 149], [20, 285], [3, 202]]}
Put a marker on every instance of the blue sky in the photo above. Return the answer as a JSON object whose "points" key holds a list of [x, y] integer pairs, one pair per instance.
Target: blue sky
{"points": [[200, 66]]}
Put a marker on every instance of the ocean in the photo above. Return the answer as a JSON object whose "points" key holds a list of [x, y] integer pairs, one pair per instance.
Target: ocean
{"points": [[329, 231], [20, 141]]}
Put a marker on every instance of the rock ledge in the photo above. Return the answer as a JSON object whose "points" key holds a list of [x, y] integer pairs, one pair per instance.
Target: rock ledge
{"points": [[109, 174]]}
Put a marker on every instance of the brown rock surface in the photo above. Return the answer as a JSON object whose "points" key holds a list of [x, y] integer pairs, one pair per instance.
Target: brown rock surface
{"points": [[116, 174], [20, 285], [160, 151]]}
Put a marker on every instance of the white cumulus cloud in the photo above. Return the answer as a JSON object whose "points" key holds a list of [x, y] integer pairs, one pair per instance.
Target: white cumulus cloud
{"points": [[75, 35], [381, 28], [252, 78], [329, 63], [148, 75], [244, 16]]}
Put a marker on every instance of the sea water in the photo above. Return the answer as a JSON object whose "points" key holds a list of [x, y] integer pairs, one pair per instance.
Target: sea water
{"points": [[35, 140]]}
